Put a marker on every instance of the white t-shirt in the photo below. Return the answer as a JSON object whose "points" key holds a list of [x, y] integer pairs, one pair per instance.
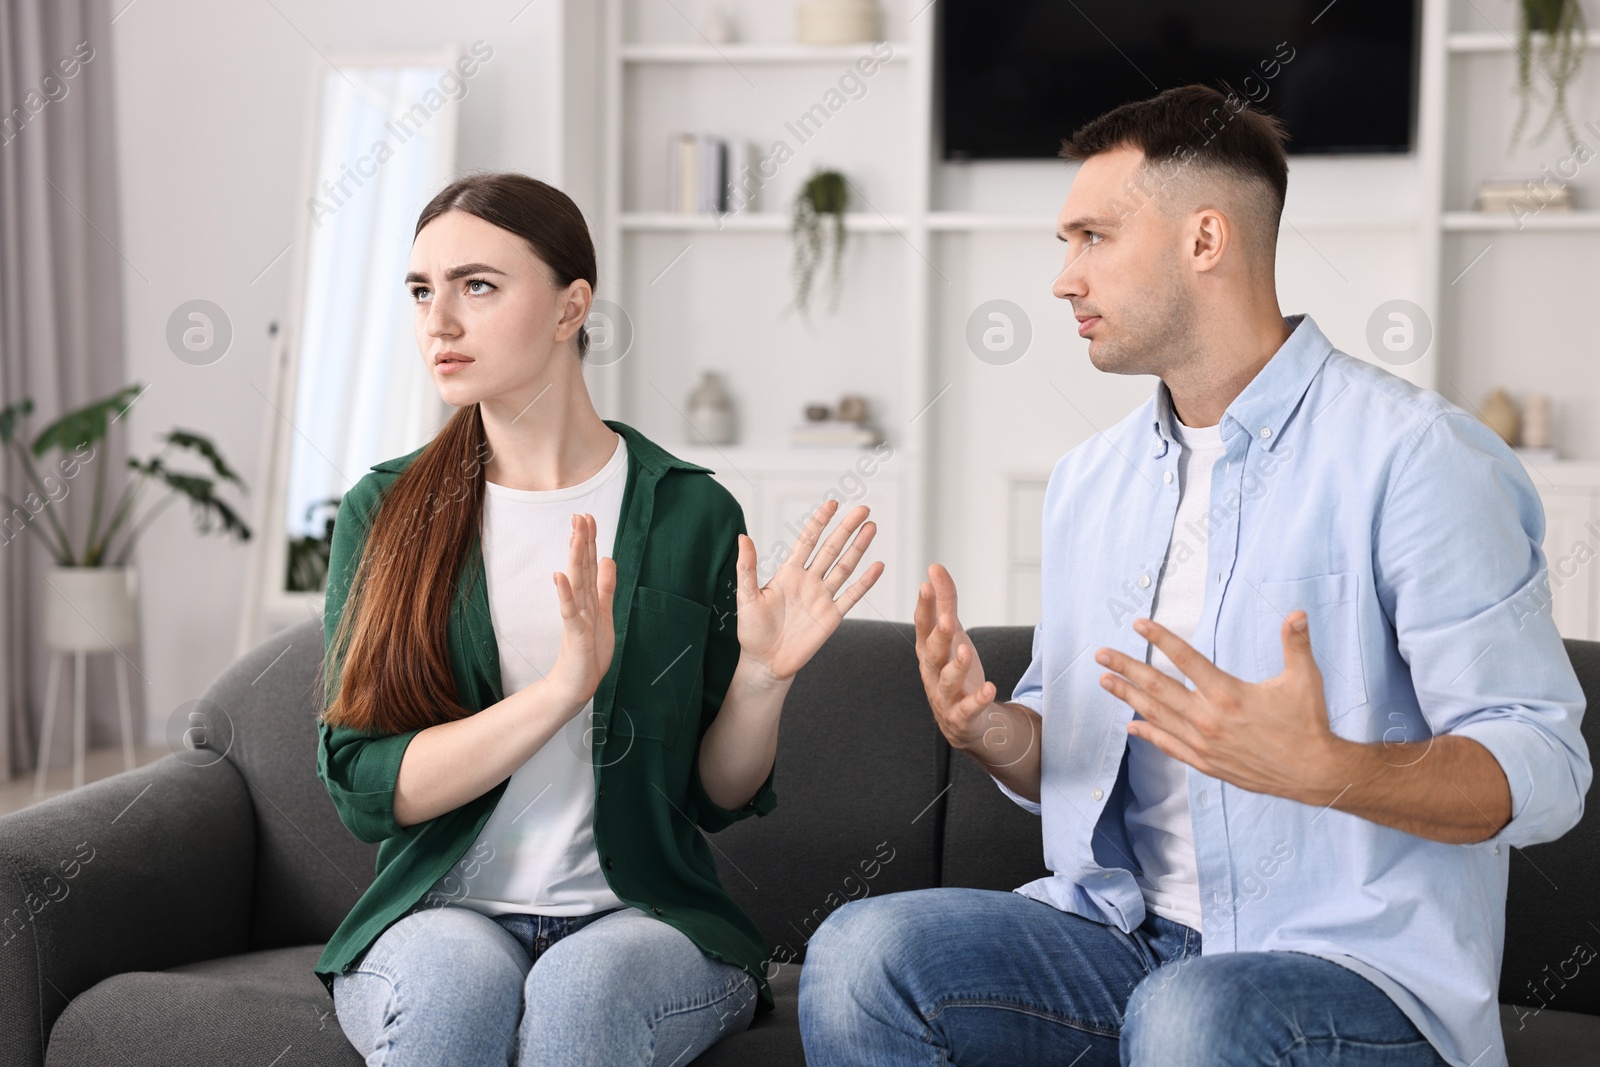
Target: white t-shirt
{"points": [[1157, 814], [536, 852]]}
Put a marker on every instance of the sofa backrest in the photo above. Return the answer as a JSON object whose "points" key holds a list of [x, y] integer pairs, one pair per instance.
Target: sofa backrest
{"points": [[309, 869], [860, 771], [990, 842], [1552, 956], [870, 801]]}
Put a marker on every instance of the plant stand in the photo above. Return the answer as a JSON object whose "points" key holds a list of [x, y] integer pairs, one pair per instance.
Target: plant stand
{"points": [[91, 613]]}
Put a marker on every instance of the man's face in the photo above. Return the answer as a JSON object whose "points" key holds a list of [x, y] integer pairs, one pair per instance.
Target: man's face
{"points": [[1124, 265]]}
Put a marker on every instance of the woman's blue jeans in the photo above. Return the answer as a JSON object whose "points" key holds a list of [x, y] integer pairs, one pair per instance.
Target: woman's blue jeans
{"points": [[449, 985], [973, 977]]}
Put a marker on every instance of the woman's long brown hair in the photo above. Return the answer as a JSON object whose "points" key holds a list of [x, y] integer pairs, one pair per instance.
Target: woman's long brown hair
{"points": [[388, 668]]}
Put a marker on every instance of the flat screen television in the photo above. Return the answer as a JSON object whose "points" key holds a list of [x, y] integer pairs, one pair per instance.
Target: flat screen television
{"points": [[1019, 76]]}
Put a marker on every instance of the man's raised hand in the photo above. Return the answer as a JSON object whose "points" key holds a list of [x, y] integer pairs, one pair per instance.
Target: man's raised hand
{"points": [[1267, 737], [952, 674]]}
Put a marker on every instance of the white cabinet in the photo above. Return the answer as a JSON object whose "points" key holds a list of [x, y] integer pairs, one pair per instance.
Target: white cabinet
{"points": [[779, 490], [1571, 495]]}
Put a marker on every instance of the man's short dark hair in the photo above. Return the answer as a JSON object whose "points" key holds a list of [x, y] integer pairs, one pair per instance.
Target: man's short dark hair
{"points": [[1196, 126]]}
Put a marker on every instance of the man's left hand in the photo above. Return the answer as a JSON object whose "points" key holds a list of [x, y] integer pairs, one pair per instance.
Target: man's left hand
{"points": [[1268, 737]]}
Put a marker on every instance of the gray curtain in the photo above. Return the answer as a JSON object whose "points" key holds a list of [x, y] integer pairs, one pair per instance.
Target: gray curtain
{"points": [[60, 331]]}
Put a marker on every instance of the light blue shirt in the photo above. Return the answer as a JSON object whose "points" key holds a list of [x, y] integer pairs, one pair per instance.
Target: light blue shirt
{"points": [[1410, 534]]}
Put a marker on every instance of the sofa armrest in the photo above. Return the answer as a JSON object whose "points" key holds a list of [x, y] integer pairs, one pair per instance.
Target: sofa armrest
{"points": [[146, 870]]}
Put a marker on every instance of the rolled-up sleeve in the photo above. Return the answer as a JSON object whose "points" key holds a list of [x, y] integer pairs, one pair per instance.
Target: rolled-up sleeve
{"points": [[1462, 575], [359, 772]]}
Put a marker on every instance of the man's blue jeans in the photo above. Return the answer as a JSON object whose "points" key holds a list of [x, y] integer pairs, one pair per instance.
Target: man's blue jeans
{"points": [[974, 976]]}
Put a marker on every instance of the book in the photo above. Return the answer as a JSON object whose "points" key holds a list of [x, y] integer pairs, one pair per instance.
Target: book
{"points": [[710, 175], [834, 433]]}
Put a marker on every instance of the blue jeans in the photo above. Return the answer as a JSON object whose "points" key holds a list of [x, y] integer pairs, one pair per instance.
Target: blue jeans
{"points": [[975, 976], [449, 985]]}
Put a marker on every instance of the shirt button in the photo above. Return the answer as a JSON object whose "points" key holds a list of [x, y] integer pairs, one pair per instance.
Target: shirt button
{"points": [[1203, 799], [1266, 431], [608, 863], [655, 909], [1097, 794], [1497, 850], [1144, 581], [1167, 477]]}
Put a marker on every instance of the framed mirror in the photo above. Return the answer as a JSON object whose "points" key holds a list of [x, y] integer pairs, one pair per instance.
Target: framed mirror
{"points": [[349, 388]]}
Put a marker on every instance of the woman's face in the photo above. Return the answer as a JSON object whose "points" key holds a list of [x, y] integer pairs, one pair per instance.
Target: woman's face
{"points": [[480, 293]]}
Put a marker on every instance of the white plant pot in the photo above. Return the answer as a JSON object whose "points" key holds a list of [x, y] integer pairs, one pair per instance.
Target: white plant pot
{"points": [[90, 609], [838, 21]]}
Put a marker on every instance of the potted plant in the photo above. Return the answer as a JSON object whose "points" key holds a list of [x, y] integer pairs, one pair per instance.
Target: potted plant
{"points": [[94, 580], [1559, 55], [308, 556], [822, 201]]}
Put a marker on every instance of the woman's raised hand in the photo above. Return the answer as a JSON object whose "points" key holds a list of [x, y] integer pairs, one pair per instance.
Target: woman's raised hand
{"points": [[783, 623], [587, 638]]}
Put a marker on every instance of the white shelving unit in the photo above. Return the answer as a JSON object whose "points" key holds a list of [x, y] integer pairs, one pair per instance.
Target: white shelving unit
{"points": [[1468, 63], [670, 271], [1505, 310]]}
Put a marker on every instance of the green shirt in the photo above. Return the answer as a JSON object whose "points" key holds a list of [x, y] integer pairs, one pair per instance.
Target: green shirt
{"points": [[676, 649]]}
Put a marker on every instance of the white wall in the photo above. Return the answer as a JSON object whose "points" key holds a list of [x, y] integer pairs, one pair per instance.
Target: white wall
{"points": [[212, 100]]}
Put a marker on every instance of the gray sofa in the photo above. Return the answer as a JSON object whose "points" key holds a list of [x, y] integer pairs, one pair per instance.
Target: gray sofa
{"points": [[171, 914]]}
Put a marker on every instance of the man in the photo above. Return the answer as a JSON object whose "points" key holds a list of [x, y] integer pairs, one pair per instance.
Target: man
{"points": [[1295, 693]]}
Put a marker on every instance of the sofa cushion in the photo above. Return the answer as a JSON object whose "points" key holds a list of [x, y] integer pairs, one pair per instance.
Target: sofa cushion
{"points": [[772, 1040], [260, 1006], [1549, 1038], [252, 1008]]}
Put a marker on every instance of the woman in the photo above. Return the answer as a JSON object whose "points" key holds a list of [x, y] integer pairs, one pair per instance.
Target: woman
{"points": [[549, 669]]}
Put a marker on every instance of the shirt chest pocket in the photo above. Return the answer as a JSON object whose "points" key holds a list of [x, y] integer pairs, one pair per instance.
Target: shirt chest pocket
{"points": [[659, 682], [1331, 607]]}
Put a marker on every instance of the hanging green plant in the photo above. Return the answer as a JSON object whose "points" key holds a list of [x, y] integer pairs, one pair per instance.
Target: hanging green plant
{"points": [[1559, 55], [822, 200]]}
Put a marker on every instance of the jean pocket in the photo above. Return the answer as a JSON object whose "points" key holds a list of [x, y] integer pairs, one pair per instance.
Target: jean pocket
{"points": [[661, 678], [1331, 607]]}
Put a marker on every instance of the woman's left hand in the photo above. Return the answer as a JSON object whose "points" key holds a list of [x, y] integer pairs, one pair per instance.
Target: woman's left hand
{"points": [[783, 623]]}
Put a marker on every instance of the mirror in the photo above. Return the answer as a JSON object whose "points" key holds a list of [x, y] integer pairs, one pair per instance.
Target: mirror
{"points": [[349, 388]]}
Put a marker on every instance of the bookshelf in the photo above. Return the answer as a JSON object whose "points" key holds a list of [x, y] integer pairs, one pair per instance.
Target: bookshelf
{"points": [[1509, 297], [708, 292]]}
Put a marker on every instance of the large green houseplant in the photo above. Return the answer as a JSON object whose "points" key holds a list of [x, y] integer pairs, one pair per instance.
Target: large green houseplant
{"points": [[86, 428], [92, 577]]}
